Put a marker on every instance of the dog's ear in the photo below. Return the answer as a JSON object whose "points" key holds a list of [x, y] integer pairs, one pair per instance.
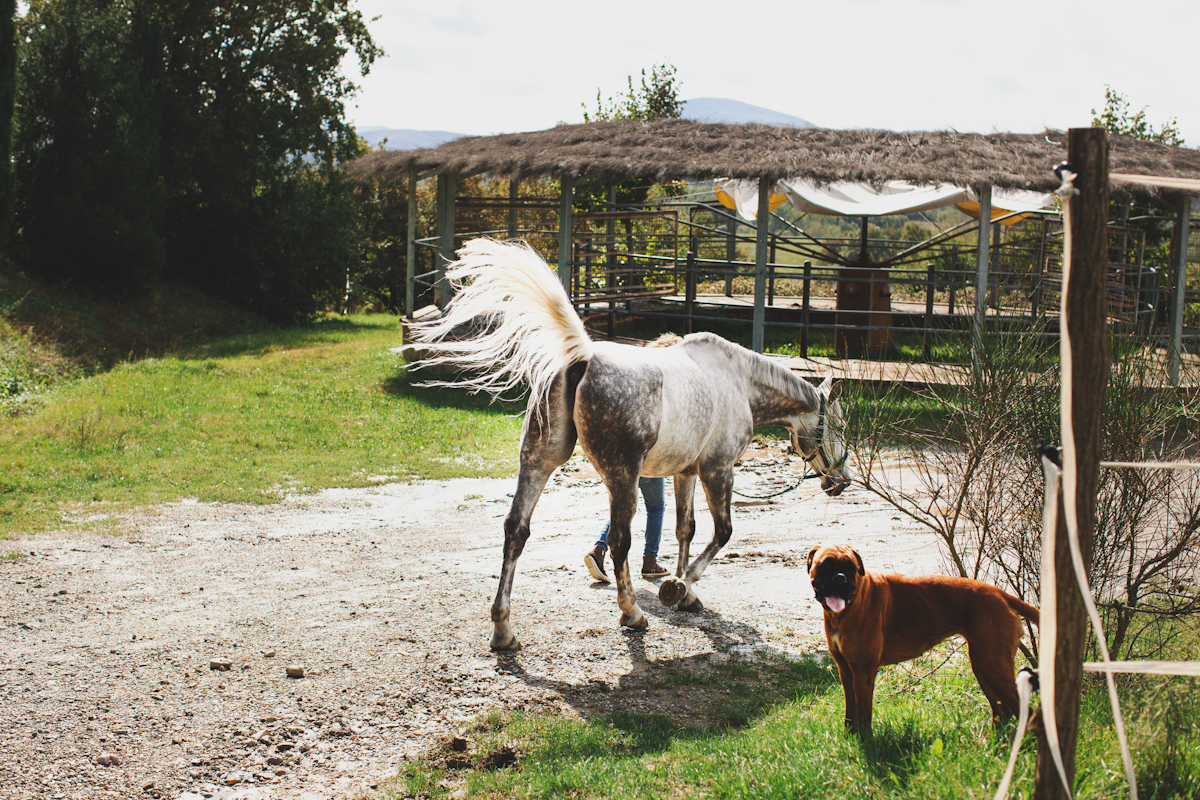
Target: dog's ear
{"points": [[811, 554], [861, 569]]}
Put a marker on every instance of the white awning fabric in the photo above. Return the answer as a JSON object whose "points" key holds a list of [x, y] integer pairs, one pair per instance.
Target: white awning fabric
{"points": [[845, 199]]}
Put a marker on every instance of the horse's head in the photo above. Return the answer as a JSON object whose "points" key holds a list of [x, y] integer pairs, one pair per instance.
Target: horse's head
{"points": [[826, 450]]}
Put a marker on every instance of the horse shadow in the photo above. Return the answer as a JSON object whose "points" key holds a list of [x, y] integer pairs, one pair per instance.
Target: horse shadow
{"points": [[704, 694]]}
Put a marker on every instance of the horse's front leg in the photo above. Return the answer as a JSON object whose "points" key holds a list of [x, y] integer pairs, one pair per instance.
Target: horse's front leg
{"points": [[546, 444], [622, 505], [719, 491]]}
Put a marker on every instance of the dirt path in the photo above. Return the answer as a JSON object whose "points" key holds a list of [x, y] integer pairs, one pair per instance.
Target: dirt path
{"points": [[381, 595]]}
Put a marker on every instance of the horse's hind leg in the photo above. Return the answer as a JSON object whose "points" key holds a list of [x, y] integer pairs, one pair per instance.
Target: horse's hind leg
{"points": [[622, 505], [546, 444]]}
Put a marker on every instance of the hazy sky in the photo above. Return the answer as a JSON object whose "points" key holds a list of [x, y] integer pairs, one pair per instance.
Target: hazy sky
{"points": [[497, 66]]}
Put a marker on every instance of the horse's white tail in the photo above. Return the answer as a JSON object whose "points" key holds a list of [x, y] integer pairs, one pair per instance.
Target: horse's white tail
{"points": [[530, 330]]}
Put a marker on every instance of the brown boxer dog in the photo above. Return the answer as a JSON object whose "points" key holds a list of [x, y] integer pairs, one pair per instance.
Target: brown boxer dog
{"points": [[872, 620]]}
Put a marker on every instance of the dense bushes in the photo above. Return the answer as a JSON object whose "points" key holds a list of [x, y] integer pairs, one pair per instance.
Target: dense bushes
{"points": [[191, 141]]}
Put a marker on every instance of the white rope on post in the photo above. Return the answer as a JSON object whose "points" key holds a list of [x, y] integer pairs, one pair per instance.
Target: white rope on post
{"points": [[1048, 616], [1024, 690], [1106, 663]]}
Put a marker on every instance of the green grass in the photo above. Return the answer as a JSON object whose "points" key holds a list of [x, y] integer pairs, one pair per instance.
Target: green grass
{"points": [[932, 738], [245, 419]]}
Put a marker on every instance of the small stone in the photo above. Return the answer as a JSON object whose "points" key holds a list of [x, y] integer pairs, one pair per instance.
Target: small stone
{"points": [[295, 671], [108, 760], [220, 664], [268, 653], [238, 777]]}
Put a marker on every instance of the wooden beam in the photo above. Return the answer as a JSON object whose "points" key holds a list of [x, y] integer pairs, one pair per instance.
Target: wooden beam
{"points": [[565, 222], [731, 224], [762, 225], [1182, 224], [447, 190], [410, 249], [514, 194], [1085, 368], [982, 258]]}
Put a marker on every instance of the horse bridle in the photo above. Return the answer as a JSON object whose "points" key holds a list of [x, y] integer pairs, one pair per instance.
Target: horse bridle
{"points": [[830, 464]]}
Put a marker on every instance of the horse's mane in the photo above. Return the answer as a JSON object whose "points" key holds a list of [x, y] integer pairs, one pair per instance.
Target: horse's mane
{"points": [[762, 370]]}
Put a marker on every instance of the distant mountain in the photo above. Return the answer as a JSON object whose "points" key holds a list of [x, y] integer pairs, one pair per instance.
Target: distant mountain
{"points": [[701, 109], [405, 138], [720, 109]]}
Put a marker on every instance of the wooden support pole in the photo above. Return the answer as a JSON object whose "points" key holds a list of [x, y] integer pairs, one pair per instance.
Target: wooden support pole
{"points": [[762, 224], [447, 190], [565, 223], [982, 258], [1085, 368], [1182, 224], [410, 249], [689, 290], [731, 224], [804, 316], [930, 288], [514, 197]]}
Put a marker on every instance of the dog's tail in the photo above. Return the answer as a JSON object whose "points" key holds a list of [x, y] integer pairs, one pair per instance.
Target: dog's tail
{"points": [[531, 333], [1024, 609]]}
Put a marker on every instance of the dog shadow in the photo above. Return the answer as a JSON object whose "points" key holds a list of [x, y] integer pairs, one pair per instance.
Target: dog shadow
{"points": [[893, 750]]}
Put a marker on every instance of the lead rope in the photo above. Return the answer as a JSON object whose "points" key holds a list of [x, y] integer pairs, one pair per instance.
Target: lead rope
{"points": [[806, 474], [1026, 682]]}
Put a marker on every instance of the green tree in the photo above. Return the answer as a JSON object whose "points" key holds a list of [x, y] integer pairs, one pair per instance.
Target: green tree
{"points": [[655, 98], [203, 130], [8, 88], [1157, 222], [90, 204], [1117, 119]]}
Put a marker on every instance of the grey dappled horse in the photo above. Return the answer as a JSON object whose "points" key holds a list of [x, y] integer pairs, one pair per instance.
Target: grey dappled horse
{"points": [[688, 410]]}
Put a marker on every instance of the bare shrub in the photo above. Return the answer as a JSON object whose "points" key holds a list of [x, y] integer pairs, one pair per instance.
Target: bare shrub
{"points": [[962, 461]]}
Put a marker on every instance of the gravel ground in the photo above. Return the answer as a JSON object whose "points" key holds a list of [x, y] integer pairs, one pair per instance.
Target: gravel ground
{"points": [[163, 657]]}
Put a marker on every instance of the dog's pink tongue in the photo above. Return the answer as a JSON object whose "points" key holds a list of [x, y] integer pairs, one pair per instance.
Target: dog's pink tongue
{"points": [[835, 604]]}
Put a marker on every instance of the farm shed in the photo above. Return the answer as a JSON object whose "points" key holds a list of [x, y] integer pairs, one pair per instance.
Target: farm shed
{"points": [[673, 149]]}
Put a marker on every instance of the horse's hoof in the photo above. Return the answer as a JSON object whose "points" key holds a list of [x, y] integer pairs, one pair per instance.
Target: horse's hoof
{"points": [[510, 644], [640, 623], [671, 591], [694, 607]]}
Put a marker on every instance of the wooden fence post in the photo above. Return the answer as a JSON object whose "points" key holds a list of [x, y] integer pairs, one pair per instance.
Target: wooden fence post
{"points": [[1085, 368]]}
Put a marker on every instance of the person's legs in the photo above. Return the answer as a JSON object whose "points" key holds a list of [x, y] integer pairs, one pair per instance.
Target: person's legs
{"points": [[594, 559], [602, 542], [652, 493], [653, 490]]}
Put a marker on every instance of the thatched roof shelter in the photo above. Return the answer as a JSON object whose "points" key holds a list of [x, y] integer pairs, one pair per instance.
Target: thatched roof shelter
{"points": [[673, 149]]}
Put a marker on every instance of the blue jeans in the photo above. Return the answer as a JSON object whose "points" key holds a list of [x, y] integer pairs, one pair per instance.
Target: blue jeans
{"points": [[652, 492]]}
